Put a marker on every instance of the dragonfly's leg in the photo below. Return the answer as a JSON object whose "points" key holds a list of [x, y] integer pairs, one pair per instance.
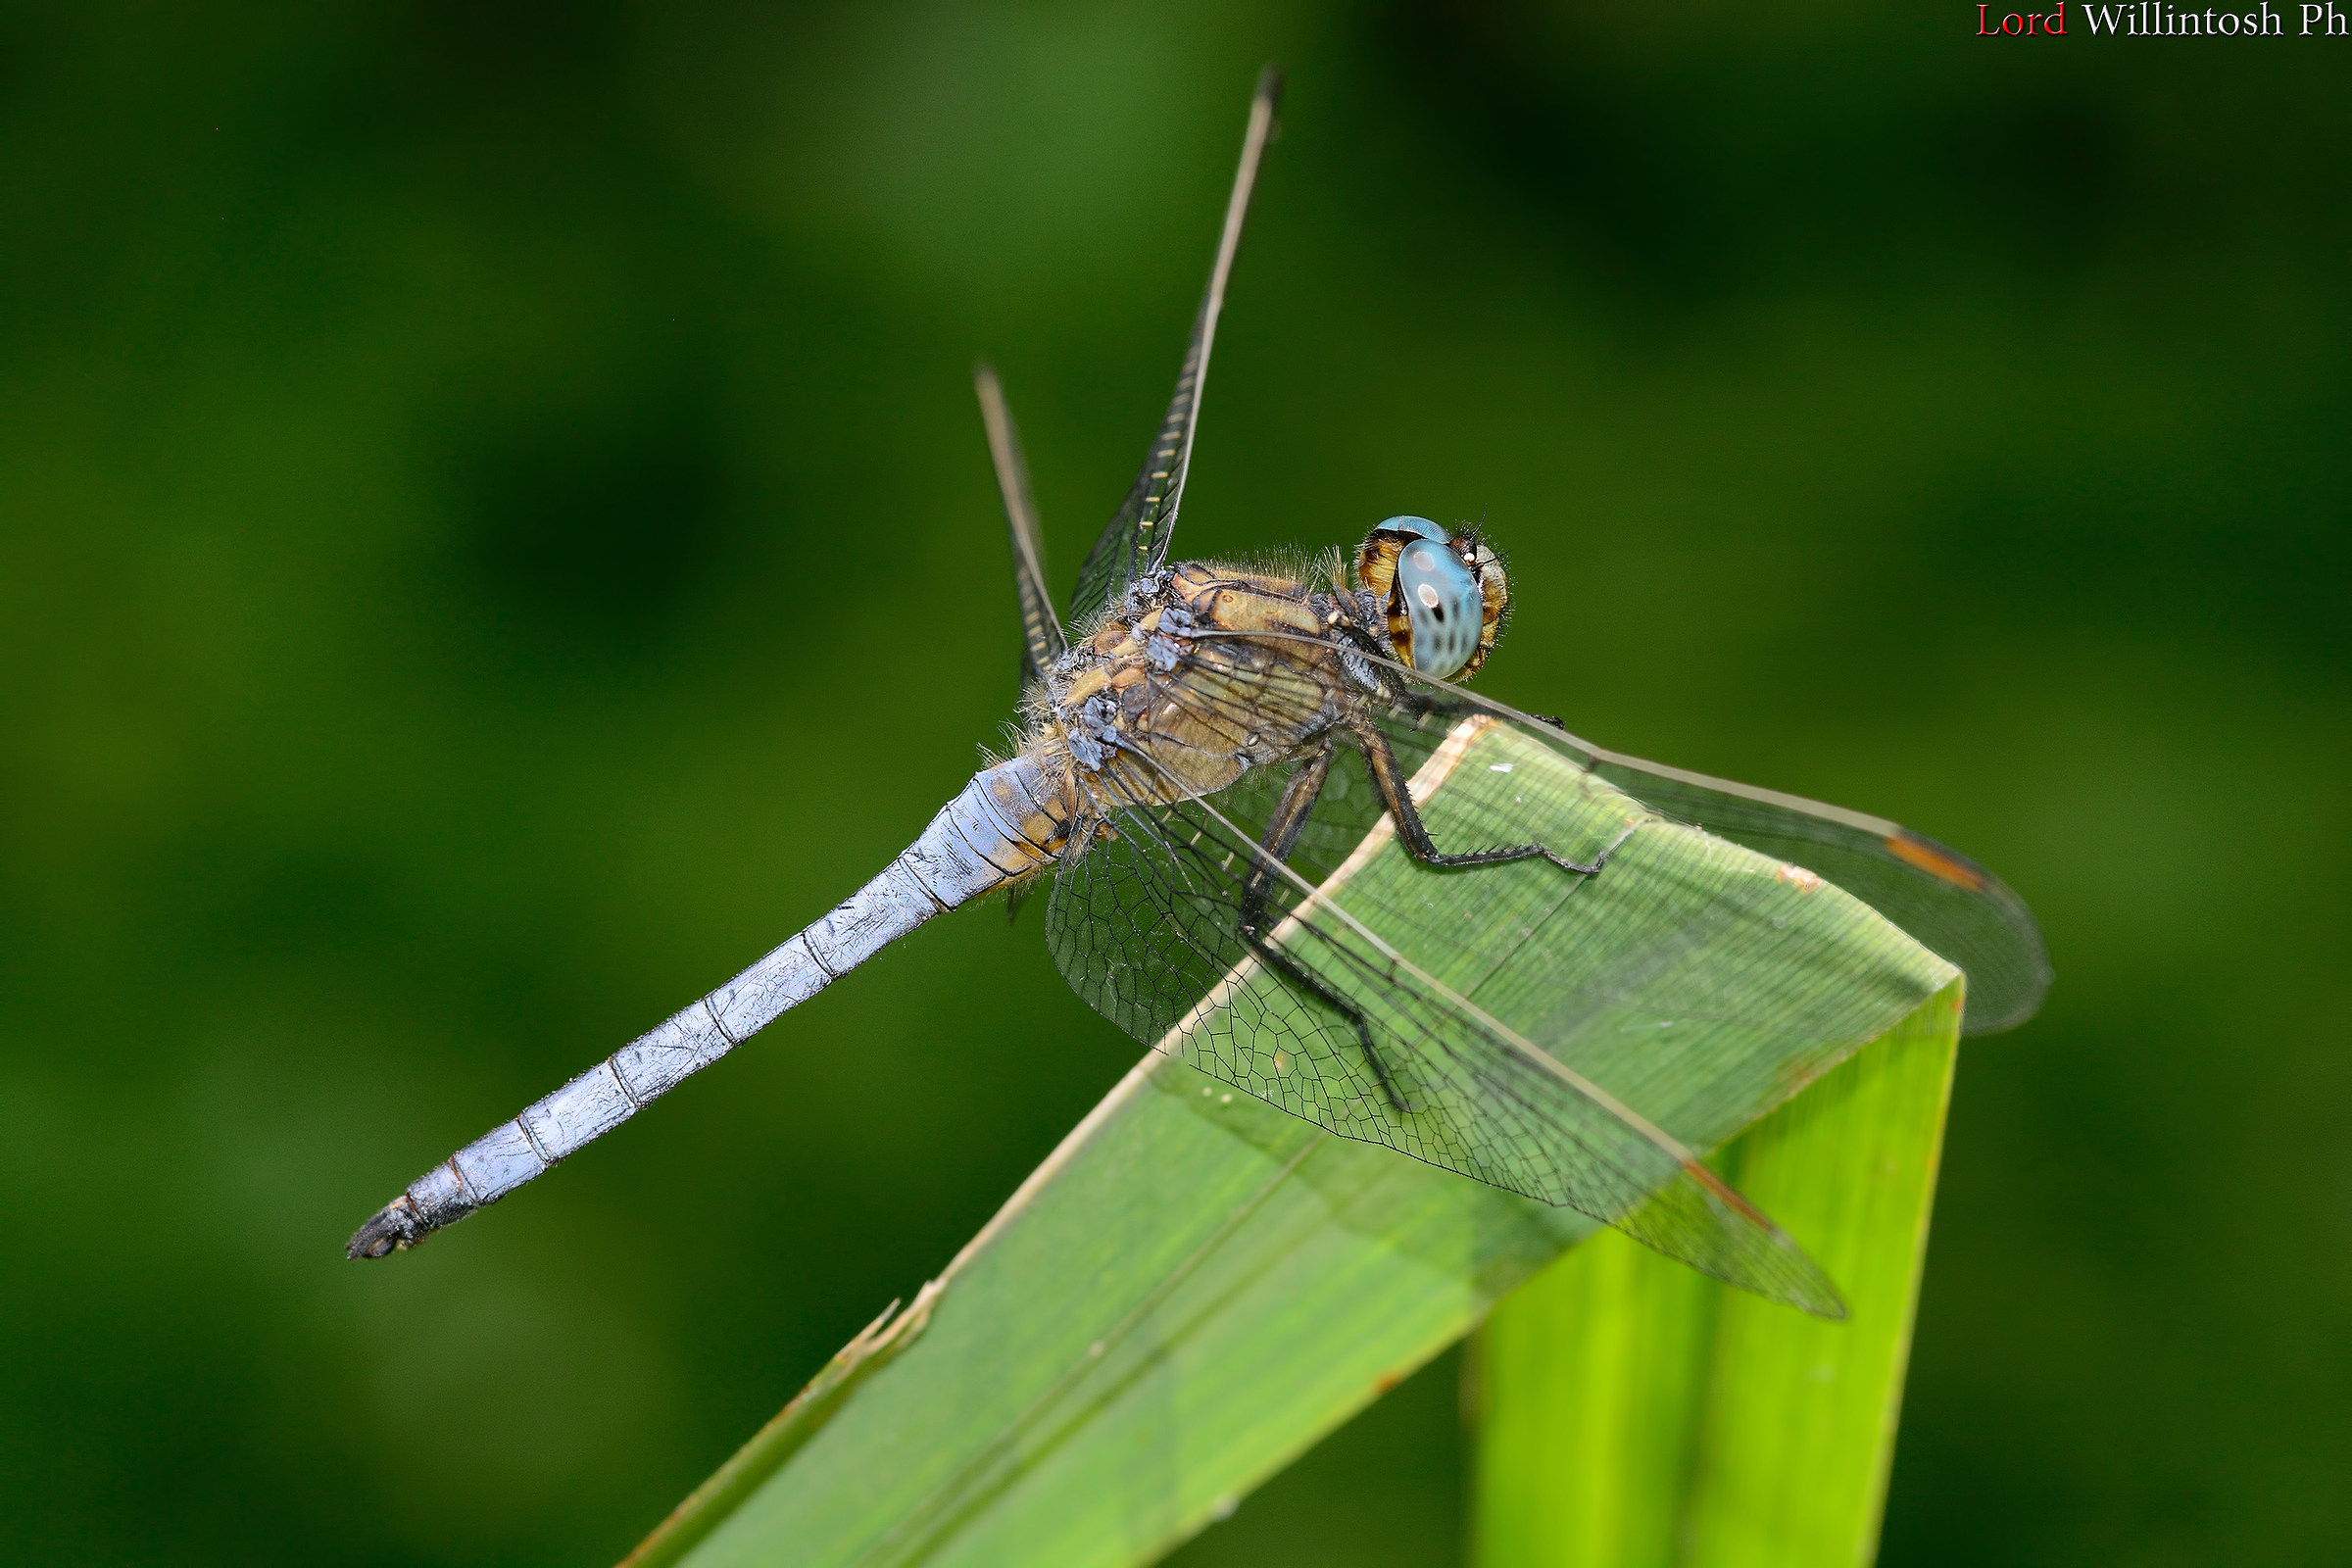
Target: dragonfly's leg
{"points": [[1291, 969], [1282, 832], [1413, 834], [1280, 838]]}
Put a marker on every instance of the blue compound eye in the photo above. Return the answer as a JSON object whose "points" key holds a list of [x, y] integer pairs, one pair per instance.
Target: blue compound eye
{"points": [[1442, 599], [1420, 525]]}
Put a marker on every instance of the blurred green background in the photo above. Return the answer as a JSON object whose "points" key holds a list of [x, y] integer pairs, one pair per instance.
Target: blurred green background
{"points": [[494, 535]]}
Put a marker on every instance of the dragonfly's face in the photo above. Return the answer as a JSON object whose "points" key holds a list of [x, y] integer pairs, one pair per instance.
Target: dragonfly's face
{"points": [[1445, 595]]}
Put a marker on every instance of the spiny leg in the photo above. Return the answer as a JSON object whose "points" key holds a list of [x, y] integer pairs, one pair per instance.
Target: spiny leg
{"points": [[1413, 833], [1282, 832], [1280, 838]]}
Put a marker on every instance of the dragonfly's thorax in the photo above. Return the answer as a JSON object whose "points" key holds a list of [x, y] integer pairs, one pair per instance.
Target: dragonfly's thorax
{"points": [[1198, 674]]}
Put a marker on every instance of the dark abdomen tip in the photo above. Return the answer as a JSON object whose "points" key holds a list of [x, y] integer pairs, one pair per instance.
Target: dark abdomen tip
{"points": [[393, 1228]]}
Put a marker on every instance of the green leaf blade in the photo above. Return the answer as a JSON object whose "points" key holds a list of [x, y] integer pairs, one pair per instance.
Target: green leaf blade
{"points": [[1635, 1414], [1197, 1286]]}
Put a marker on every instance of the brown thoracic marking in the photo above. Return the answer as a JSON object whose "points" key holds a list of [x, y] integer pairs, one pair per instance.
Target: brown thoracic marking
{"points": [[1264, 689]]}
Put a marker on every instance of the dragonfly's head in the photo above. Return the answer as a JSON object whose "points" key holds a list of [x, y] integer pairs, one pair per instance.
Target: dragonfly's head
{"points": [[1443, 594]]}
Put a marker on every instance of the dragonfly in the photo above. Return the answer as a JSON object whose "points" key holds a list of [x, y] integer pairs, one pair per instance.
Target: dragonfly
{"points": [[1200, 741]]}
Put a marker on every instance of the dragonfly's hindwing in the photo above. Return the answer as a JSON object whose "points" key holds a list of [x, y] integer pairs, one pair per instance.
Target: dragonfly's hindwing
{"points": [[1515, 1014]]}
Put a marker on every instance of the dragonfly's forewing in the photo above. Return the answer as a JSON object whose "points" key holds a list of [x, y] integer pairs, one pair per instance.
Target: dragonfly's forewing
{"points": [[1945, 901], [1951, 905], [1042, 640], [1136, 540]]}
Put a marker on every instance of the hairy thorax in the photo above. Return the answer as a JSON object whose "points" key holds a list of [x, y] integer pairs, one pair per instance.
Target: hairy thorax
{"points": [[1201, 673]]}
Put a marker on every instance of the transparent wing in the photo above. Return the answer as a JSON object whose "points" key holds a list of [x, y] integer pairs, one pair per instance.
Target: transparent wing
{"points": [[1365, 1012], [1042, 640], [1136, 540], [1946, 902]]}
